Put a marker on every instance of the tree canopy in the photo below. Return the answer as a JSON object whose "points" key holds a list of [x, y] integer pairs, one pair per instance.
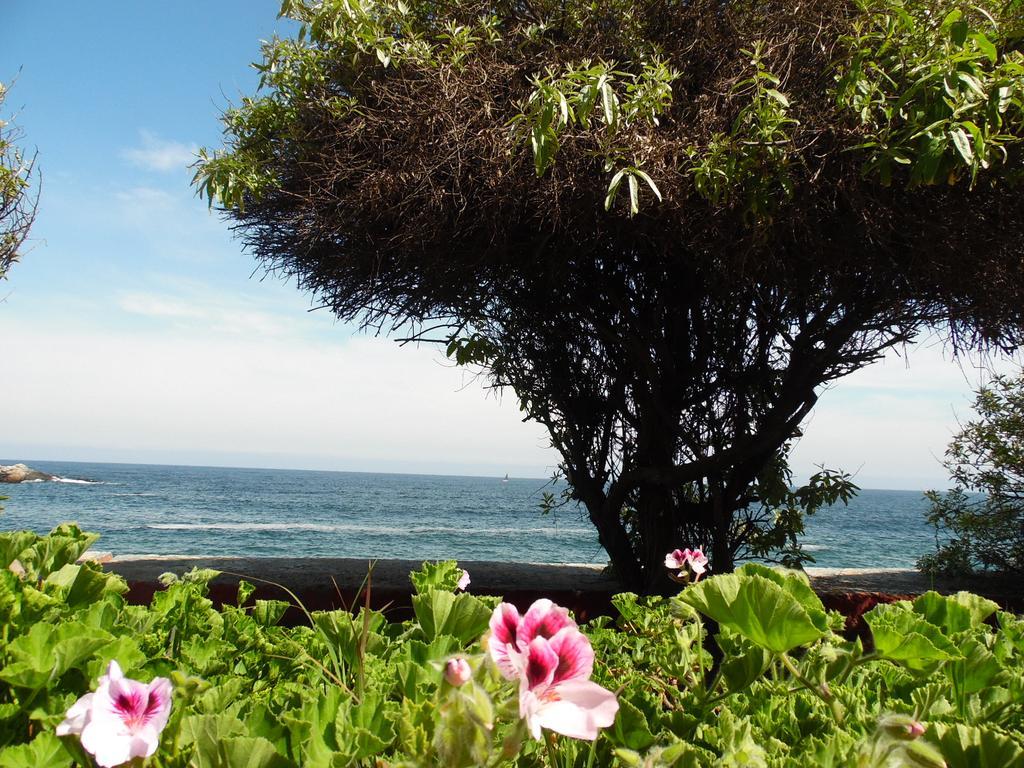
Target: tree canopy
{"points": [[666, 225], [17, 205]]}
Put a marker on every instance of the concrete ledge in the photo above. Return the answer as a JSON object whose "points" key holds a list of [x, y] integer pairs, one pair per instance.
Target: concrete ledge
{"points": [[329, 583]]}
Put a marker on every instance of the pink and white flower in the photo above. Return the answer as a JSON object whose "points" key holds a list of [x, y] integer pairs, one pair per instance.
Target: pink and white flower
{"points": [[511, 634], [503, 643], [553, 662], [687, 561], [122, 719], [457, 671], [555, 691], [463, 580]]}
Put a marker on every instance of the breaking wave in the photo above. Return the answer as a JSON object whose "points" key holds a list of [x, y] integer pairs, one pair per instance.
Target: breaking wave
{"points": [[391, 530]]}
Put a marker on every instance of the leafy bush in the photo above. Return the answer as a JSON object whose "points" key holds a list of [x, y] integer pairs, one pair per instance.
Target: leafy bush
{"points": [[17, 203], [980, 523], [942, 685]]}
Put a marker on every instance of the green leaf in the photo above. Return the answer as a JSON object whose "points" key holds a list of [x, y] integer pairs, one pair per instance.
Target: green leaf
{"points": [[613, 189], [250, 752], [966, 746], [630, 729], [903, 636], [795, 583], [44, 751], [366, 729], [13, 543], [955, 613], [650, 183], [609, 103], [245, 591], [978, 670], [778, 96], [757, 608], [958, 32], [740, 671], [443, 575], [84, 584], [634, 195], [463, 616], [220, 743], [962, 144], [267, 613], [47, 652], [985, 46]]}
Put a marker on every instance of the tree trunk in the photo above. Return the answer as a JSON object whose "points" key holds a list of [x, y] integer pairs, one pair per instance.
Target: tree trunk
{"points": [[606, 515], [658, 533]]}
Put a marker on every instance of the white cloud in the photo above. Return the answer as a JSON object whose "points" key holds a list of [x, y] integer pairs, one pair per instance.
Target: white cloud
{"points": [[359, 403], [157, 154], [201, 309], [209, 379], [890, 423], [159, 306]]}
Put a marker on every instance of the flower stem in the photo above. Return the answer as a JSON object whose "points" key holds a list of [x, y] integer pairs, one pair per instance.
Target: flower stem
{"points": [[549, 740], [817, 690]]}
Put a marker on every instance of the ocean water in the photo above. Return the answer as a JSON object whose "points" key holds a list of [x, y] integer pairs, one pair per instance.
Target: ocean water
{"points": [[165, 510]]}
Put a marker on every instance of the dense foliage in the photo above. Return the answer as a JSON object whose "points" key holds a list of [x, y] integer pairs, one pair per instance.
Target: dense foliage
{"points": [[942, 685], [980, 523], [17, 205], [666, 226]]}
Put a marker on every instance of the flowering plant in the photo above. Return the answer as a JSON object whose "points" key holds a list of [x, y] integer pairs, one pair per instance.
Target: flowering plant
{"points": [[122, 719], [468, 679], [687, 564]]}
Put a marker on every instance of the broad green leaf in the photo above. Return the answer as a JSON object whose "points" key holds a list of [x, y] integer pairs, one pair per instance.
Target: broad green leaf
{"points": [[84, 584], [206, 733], [741, 670], [267, 613], [442, 613], [630, 729], [757, 608], [985, 46], [955, 613], [46, 652], [44, 751], [976, 671], [12, 544], [344, 632], [904, 636], [443, 575], [220, 741], [966, 746], [365, 729], [796, 584], [250, 752]]}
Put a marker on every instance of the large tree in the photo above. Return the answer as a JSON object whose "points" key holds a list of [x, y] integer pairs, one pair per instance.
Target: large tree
{"points": [[17, 203], [667, 226]]}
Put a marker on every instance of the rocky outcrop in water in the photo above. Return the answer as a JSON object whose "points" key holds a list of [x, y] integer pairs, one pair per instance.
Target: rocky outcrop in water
{"points": [[19, 473]]}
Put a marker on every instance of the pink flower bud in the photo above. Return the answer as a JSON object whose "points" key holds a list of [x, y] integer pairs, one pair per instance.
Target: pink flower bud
{"points": [[463, 580], [457, 671], [902, 727]]}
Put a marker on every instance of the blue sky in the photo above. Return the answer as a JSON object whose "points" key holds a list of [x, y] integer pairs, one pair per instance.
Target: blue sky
{"points": [[133, 331]]}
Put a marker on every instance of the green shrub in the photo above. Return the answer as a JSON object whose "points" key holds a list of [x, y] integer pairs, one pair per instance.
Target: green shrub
{"points": [[980, 523], [942, 685]]}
